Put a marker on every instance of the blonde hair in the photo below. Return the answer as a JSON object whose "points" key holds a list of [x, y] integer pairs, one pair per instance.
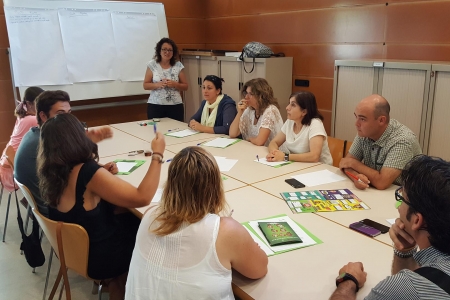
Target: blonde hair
{"points": [[193, 189], [262, 91]]}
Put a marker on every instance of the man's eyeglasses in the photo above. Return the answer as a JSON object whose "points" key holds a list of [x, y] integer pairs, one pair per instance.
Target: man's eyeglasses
{"points": [[245, 93], [166, 50], [399, 198]]}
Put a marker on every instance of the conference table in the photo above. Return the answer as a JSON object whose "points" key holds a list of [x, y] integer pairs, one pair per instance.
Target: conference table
{"points": [[252, 190]]}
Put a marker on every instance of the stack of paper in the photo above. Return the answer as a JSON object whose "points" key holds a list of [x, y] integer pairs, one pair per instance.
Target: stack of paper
{"points": [[182, 133], [307, 238], [224, 163], [221, 142]]}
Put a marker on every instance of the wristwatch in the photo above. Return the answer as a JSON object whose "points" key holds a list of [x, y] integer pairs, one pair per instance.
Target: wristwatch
{"points": [[286, 156], [346, 276]]}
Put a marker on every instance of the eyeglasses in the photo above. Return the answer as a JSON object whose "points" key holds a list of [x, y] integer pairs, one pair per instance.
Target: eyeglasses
{"points": [[245, 93], [399, 198], [166, 50]]}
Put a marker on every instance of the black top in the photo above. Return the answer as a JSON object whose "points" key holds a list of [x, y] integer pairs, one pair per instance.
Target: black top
{"points": [[111, 236]]}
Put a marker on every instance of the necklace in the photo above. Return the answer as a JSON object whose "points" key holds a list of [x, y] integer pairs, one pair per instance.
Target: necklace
{"points": [[256, 116]]}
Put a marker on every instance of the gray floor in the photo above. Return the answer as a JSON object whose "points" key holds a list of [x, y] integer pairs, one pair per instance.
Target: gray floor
{"points": [[16, 279]]}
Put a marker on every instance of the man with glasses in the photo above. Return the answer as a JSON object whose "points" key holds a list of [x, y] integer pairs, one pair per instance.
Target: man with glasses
{"points": [[48, 104], [423, 204], [382, 147]]}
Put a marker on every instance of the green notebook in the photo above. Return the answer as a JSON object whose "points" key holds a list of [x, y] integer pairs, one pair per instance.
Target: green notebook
{"points": [[279, 233]]}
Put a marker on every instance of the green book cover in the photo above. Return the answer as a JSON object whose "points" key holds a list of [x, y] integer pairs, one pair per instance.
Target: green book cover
{"points": [[279, 233]]}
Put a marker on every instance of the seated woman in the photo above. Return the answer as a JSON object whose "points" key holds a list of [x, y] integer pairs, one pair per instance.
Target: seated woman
{"points": [[258, 118], [25, 113], [217, 111], [78, 190], [302, 134], [184, 249]]}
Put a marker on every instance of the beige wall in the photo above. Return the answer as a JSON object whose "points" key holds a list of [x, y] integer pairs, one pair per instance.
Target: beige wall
{"points": [[315, 33]]}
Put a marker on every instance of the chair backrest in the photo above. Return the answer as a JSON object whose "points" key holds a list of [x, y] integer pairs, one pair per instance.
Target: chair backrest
{"points": [[10, 153], [26, 192], [336, 149], [348, 144], [75, 241]]}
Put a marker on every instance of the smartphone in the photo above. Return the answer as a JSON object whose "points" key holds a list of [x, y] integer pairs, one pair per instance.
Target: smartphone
{"points": [[364, 229], [294, 183], [375, 225]]}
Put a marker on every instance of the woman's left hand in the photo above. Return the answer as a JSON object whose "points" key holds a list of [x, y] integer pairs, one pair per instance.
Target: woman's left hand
{"points": [[171, 84], [111, 167], [275, 155], [195, 125]]}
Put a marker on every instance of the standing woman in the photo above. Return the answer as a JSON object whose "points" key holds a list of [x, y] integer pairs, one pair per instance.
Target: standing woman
{"points": [[165, 79], [303, 133], [258, 118], [25, 113], [217, 111]]}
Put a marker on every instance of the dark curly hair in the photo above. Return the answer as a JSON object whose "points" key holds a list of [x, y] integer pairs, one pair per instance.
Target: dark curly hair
{"points": [[307, 100], [426, 182], [158, 48], [63, 145]]}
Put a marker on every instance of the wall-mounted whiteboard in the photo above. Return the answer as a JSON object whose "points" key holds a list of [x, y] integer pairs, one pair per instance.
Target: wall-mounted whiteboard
{"points": [[91, 49]]}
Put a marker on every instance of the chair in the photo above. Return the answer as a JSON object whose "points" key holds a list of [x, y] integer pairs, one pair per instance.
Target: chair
{"points": [[348, 145], [9, 154], [337, 147], [71, 244]]}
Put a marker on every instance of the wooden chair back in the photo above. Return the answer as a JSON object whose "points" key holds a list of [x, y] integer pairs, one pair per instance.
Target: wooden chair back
{"points": [[27, 194], [10, 153], [71, 243], [348, 144], [336, 149]]}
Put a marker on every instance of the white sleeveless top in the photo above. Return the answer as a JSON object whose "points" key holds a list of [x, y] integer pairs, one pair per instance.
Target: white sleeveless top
{"points": [[165, 96], [181, 265]]}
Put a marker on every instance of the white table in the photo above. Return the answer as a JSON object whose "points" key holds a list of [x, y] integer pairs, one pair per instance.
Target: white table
{"points": [[121, 142]]}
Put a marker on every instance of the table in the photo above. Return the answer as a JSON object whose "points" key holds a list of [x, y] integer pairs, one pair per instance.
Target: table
{"points": [[381, 203], [307, 273], [164, 125], [246, 170], [121, 142]]}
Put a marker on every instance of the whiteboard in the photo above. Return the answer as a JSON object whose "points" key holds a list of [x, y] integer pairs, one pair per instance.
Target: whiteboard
{"points": [[106, 88]]}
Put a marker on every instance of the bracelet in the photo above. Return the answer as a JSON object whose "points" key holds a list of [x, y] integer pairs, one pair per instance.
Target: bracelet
{"points": [[405, 254], [158, 157], [160, 154]]}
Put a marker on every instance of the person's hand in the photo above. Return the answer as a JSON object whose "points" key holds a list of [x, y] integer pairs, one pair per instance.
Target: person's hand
{"points": [[99, 134], [401, 239], [158, 143], [346, 163], [275, 155], [111, 167], [242, 105], [357, 270], [195, 125], [363, 184], [171, 83], [162, 84]]}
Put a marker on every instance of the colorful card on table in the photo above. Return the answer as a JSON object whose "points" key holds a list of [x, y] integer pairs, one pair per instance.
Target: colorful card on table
{"points": [[127, 166], [306, 237], [323, 201], [279, 233]]}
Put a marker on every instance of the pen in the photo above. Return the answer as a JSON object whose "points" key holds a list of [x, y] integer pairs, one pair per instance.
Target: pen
{"points": [[353, 176], [169, 160], [257, 157], [173, 129], [154, 128], [231, 212]]}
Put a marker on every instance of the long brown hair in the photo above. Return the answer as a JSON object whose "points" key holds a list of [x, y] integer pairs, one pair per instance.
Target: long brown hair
{"points": [[29, 96], [193, 189], [263, 93], [63, 145]]}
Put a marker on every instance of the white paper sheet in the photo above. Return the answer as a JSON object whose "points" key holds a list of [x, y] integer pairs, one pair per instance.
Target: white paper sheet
{"points": [[307, 240], [261, 245], [220, 142], [89, 44], [391, 221], [36, 47], [124, 166], [318, 178], [182, 133], [263, 160], [225, 164], [135, 35]]}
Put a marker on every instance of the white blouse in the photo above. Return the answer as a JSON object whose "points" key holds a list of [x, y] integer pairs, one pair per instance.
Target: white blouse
{"points": [[165, 96]]}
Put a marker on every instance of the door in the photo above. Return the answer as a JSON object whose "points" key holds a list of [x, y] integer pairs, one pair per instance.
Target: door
{"points": [[191, 96]]}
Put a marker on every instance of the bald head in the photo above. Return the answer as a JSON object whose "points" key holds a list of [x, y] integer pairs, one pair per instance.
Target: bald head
{"points": [[378, 105]]}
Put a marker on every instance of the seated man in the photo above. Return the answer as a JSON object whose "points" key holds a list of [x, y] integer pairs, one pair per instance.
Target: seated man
{"points": [[424, 207], [382, 147], [48, 104]]}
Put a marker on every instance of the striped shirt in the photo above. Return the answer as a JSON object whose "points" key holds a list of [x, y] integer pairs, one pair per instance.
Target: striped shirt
{"points": [[408, 285], [394, 149]]}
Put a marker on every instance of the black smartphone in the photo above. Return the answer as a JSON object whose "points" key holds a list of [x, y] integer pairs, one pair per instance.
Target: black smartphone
{"points": [[294, 183], [365, 229], [375, 225]]}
